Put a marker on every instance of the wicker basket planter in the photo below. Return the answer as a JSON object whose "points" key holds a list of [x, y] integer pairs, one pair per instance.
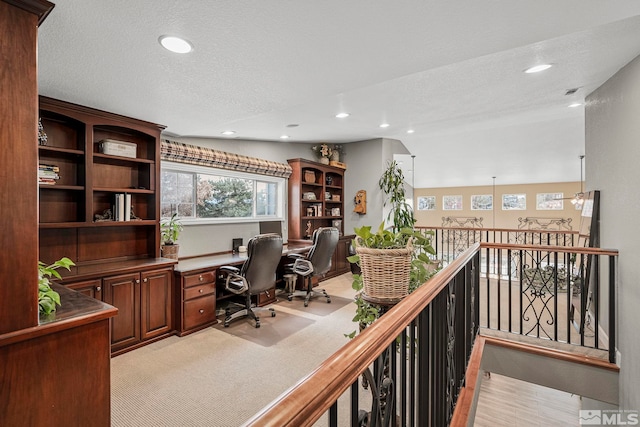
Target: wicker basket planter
{"points": [[385, 272]]}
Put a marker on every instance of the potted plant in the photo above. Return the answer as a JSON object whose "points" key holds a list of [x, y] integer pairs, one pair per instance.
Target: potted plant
{"points": [[47, 297], [323, 152], [170, 229], [392, 185], [414, 246]]}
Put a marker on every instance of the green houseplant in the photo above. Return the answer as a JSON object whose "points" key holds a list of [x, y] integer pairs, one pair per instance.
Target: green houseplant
{"points": [[170, 229], [392, 185], [419, 267], [47, 297]]}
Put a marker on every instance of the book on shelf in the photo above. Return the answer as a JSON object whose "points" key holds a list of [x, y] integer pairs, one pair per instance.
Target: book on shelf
{"points": [[122, 207], [48, 174]]}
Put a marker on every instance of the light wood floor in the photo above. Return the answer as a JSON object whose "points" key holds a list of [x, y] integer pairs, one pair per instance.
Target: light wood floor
{"points": [[508, 402]]}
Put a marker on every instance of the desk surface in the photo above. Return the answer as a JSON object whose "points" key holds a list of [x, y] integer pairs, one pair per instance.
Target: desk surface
{"points": [[215, 261]]}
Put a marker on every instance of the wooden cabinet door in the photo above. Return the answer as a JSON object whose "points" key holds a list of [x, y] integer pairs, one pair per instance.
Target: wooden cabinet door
{"points": [[155, 308], [123, 292], [90, 288], [342, 252]]}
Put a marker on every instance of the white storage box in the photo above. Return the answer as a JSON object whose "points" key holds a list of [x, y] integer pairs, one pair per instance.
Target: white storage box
{"points": [[117, 148]]}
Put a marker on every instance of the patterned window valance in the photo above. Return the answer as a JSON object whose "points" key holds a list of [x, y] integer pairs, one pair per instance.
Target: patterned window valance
{"points": [[192, 154]]}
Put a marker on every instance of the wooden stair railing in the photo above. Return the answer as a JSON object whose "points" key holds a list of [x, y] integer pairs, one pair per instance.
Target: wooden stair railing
{"points": [[305, 402]]}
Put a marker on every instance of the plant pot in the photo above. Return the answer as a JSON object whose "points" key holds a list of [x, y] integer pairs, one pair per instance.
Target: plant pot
{"points": [[170, 251], [385, 272], [324, 160]]}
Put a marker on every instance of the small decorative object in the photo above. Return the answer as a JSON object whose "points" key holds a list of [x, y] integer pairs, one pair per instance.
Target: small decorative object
{"points": [[328, 180], [105, 216], [309, 195], [335, 197], [337, 223], [310, 211], [335, 211], [309, 176], [327, 195], [170, 229], [336, 153], [361, 202], [323, 152], [308, 229], [42, 135]]}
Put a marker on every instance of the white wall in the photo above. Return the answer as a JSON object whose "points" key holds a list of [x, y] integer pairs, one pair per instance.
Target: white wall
{"points": [[612, 154]]}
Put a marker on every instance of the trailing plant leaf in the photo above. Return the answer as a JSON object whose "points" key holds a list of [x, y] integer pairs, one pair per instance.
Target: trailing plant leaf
{"points": [[47, 297], [170, 229]]}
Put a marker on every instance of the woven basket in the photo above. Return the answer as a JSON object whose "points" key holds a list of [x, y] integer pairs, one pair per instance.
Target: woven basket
{"points": [[385, 272]]}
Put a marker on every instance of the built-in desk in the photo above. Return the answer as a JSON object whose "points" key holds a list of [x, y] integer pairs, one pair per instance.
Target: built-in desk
{"points": [[197, 293]]}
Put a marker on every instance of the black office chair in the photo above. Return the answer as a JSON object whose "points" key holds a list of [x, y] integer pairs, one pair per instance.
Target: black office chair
{"points": [[257, 274], [317, 262]]}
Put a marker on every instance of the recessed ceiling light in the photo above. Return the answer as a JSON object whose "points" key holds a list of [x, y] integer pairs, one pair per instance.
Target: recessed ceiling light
{"points": [[574, 105], [228, 132], [284, 137], [385, 125], [342, 115], [410, 131], [538, 68], [175, 44]]}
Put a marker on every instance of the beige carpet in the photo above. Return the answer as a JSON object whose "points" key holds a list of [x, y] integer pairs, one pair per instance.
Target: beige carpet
{"points": [[219, 377]]}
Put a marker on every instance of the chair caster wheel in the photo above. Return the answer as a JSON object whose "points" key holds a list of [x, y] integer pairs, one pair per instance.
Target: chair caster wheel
{"points": [[257, 325], [226, 325], [328, 301], [290, 298], [306, 304], [273, 314]]}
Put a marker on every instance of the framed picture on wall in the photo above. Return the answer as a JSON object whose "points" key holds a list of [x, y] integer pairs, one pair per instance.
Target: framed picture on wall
{"points": [[452, 203], [426, 203], [482, 202], [514, 202], [549, 201]]}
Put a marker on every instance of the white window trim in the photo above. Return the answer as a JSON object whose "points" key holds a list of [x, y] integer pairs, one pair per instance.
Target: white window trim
{"points": [[281, 208]]}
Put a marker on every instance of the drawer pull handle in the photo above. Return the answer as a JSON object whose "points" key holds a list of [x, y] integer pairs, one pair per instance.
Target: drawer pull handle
{"points": [[201, 278], [145, 280], [201, 311], [201, 290], [98, 289], [137, 280]]}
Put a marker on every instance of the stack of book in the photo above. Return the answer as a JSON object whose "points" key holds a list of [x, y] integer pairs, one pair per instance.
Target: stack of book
{"points": [[122, 207], [48, 174]]}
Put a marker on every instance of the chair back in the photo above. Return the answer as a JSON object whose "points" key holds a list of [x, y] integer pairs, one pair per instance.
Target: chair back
{"points": [[325, 240], [263, 256]]}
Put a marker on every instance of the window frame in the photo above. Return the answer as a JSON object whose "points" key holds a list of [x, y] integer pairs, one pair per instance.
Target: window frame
{"points": [[255, 177]]}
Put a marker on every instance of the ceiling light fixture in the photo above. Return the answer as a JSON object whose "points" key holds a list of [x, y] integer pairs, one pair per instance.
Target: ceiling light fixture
{"points": [[538, 68], [229, 132], [175, 44], [284, 137], [410, 131], [385, 125], [342, 115], [574, 105]]}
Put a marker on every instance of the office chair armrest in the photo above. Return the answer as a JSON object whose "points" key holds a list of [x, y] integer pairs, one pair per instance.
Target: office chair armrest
{"points": [[295, 256], [229, 269], [303, 267], [236, 284]]}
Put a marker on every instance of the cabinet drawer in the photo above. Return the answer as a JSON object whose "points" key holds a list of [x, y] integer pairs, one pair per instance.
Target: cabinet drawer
{"points": [[267, 297], [199, 291], [199, 311], [200, 278]]}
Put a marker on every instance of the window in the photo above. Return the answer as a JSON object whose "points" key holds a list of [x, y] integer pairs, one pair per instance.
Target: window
{"points": [[208, 195]]}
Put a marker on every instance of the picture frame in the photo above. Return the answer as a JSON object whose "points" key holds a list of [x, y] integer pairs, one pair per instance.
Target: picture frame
{"points": [[549, 201], [452, 203], [514, 202], [482, 202], [426, 203]]}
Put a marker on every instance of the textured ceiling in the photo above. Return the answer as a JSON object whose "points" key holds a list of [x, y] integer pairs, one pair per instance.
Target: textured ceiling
{"points": [[450, 70]]}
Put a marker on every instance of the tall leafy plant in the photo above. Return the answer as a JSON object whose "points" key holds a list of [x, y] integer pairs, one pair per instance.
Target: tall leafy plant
{"points": [[392, 185]]}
